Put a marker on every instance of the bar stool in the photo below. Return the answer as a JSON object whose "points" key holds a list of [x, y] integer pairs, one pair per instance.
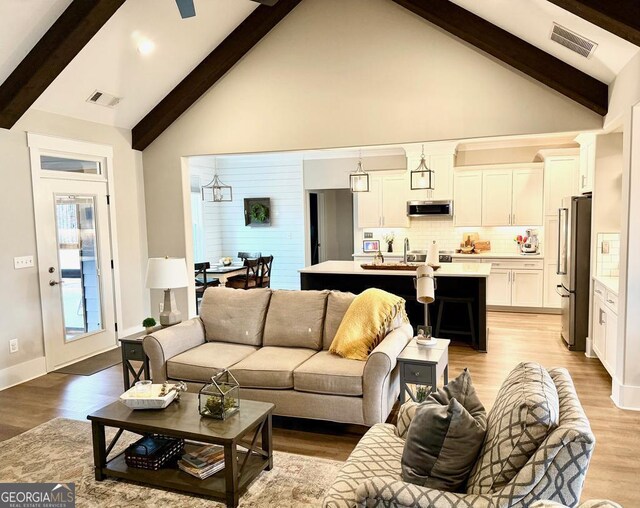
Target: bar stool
{"points": [[459, 301]]}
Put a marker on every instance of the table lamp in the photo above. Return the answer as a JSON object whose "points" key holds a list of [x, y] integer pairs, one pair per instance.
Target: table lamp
{"points": [[425, 284], [167, 273]]}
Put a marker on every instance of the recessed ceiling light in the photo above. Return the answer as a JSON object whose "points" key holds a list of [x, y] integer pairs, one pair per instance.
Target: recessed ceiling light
{"points": [[144, 45]]}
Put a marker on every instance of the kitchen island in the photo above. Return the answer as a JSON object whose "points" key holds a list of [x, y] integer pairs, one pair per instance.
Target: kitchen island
{"points": [[455, 280]]}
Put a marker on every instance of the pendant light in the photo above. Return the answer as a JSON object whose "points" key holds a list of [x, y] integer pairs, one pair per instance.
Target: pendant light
{"points": [[215, 190], [423, 178], [359, 181]]}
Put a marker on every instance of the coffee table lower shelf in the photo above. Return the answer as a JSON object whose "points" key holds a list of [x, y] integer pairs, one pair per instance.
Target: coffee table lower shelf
{"points": [[174, 479]]}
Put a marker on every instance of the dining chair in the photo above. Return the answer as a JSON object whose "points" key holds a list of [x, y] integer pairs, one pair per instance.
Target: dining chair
{"points": [[265, 271], [249, 255], [202, 283], [249, 279]]}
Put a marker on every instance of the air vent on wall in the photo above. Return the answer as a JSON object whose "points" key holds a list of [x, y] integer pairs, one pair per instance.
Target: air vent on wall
{"points": [[573, 41], [104, 99]]}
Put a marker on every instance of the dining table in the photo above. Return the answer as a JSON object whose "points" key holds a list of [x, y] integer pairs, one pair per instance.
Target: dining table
{"points": [[222, 272]]}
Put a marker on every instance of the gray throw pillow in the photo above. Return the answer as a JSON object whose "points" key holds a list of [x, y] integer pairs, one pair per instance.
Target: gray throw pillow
{"points": [[445, 436]]}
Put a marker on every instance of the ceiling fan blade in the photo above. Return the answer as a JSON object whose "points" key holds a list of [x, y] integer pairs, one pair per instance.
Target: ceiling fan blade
{"points": [[270, 3], [186, 7]]}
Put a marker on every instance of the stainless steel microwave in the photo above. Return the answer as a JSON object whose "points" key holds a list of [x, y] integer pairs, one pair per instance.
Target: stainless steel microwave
{"points": [[428, 209]]}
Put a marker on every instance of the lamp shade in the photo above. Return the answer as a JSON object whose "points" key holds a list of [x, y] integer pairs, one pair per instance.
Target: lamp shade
{"points": [[167, 273], [425, 285]]}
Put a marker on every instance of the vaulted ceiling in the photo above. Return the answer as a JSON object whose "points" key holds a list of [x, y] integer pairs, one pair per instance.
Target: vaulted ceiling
{"points": [[110, 61]]}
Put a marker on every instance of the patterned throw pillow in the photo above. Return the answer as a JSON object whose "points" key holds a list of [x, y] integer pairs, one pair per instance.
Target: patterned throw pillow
{"points": [[525, 412], [444, 437]]}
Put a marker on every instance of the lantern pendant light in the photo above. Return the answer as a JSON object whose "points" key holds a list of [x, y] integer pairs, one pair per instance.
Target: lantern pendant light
{"points": [[423, 178], [359, 181], [216, 191]]}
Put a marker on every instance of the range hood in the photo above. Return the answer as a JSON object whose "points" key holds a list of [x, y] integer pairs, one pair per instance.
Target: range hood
{"points": [[427, 209]]}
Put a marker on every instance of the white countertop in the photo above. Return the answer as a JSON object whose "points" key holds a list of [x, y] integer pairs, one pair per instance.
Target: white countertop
{"points": [[446, 269], [498, 255], [611, 283]]}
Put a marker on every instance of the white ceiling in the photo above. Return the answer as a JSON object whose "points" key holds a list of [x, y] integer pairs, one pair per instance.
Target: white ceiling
{"points": [[111, 63], [531, 20]]}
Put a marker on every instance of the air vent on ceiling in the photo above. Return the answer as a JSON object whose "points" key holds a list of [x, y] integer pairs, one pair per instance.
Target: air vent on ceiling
{"points": [[104, 99], [573, 41]]}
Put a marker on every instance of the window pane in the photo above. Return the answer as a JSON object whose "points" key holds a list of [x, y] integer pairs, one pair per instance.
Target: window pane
{"points": [[79, 273], [49, 163]]}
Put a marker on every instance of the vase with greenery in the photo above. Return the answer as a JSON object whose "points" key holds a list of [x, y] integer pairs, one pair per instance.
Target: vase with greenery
{"points": [[149, 324], [389, 238]]}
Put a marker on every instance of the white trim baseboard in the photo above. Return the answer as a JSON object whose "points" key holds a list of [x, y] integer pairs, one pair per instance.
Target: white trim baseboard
{"points": [[625, 396], [22, 372]]}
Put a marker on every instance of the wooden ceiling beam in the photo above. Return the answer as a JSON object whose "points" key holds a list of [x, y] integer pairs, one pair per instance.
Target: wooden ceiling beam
{"points": [[63, 41], [513, 51], [620, 17], [236, 45]]}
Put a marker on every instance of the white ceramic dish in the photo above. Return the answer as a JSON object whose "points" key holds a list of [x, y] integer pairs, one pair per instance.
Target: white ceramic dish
{"points": [[134, 401]]}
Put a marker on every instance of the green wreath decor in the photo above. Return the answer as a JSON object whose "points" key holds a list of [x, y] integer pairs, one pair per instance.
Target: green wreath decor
{"points": [[259, 213]]}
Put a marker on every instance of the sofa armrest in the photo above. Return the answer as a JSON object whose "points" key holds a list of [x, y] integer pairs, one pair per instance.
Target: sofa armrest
{"points": [[164, 344], [378, 375], [396, 493]]}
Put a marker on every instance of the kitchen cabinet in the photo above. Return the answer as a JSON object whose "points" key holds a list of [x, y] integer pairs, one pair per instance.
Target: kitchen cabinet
{"points": [[604, 328], [552, 299], [467, 198], [512, 197], [587, 166], [559, 174], [515, 283], [385, 205]]}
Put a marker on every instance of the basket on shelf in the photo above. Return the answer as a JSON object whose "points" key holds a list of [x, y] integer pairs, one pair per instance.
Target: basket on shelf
{"points": [[153, 451]]}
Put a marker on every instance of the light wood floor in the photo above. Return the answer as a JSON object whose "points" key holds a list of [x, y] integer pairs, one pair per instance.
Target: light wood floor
{"points": [[615, 467]]}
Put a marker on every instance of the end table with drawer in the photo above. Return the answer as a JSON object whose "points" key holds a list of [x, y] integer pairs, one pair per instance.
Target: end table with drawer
{"points": [[132, 350], [423, 365]]}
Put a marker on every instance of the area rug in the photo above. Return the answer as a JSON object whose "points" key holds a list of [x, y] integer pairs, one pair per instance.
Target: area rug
{"points": [[90, 366], [60, 451]]}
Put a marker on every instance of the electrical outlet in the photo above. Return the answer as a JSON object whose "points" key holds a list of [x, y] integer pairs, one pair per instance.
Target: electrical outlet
{"points": [[23, 262], [13, 346]]}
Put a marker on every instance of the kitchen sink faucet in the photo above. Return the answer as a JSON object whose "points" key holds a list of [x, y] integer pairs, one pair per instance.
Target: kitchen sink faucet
{"points": [[406, 249]]}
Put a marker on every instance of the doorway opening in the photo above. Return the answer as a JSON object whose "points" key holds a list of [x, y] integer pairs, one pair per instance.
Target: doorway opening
{"points": [[331, 225]]}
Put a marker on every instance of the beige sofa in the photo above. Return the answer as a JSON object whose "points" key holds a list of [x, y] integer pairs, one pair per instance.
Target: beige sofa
{"points": [[276, 343]]}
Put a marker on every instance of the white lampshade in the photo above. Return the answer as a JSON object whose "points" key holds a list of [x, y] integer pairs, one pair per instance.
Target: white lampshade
{"points": [[425, 286], [166, 273]]}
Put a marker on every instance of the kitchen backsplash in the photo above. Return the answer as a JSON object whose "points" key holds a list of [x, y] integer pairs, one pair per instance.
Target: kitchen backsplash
{"points": [[424, 231], [608, 255]]}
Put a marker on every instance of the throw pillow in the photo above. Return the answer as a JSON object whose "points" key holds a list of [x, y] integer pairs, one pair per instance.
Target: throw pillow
{"points": [[367, 320], [445, 436]]}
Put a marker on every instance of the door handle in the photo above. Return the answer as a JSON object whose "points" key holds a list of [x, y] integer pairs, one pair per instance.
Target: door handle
{"points": [[55, 282], [561, 294]]}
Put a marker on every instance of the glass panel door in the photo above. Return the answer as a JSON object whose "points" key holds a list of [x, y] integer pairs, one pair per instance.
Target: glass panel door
{"points": [[79, 265]]}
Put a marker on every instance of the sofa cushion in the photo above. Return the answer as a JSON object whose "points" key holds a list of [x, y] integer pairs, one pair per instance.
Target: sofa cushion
{"points": [[330, 374], [234, 315], [201, 362], [270, 367], [295, 319], [526, 410], [337, 305], [445, 436]]}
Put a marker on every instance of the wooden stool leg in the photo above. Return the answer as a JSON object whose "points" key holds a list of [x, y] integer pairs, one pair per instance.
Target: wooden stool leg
{"points": [[471, 325]]}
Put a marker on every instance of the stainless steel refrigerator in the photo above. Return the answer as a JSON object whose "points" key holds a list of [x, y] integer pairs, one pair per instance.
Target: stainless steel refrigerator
{"points": [[574, 267]]}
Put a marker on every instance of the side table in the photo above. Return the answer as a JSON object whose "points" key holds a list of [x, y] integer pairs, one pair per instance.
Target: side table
{"points": [[423, 365], [132, 350]]}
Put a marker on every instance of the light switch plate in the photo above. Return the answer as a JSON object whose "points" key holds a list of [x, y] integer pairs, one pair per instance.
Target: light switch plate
{"points": [[605, 247], [23, 262], [368, 235]]}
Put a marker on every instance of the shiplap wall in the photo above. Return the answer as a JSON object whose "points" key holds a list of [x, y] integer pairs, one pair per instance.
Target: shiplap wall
{"points": [[276, 177]]}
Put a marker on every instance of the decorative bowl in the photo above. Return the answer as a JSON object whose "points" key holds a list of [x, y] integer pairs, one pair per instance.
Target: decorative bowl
{"points": [[225, 261]]}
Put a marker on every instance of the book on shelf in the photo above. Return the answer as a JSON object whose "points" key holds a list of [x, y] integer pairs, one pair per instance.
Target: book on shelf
{"points": [[203, 472], [203, 461]]}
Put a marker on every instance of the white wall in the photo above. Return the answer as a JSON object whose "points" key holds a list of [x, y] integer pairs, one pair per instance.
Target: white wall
{"points": [[607, 188], [276, 177], [346, 73], [19, 290]]}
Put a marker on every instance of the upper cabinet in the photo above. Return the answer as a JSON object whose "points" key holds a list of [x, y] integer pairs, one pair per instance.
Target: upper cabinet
{"points": [[441, 163], [587, 168], [467, 198], [560, 172], [499, 196], [385, 205]]}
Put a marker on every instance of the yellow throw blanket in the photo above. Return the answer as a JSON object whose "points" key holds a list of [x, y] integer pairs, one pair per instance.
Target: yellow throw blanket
{"points": [[366, 323]]}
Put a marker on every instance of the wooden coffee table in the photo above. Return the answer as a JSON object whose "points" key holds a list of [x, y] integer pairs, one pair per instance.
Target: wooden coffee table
{"points": [[182, 420]]}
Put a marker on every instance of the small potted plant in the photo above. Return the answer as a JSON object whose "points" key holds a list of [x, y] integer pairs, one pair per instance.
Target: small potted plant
{"points": [[149, 323]]}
